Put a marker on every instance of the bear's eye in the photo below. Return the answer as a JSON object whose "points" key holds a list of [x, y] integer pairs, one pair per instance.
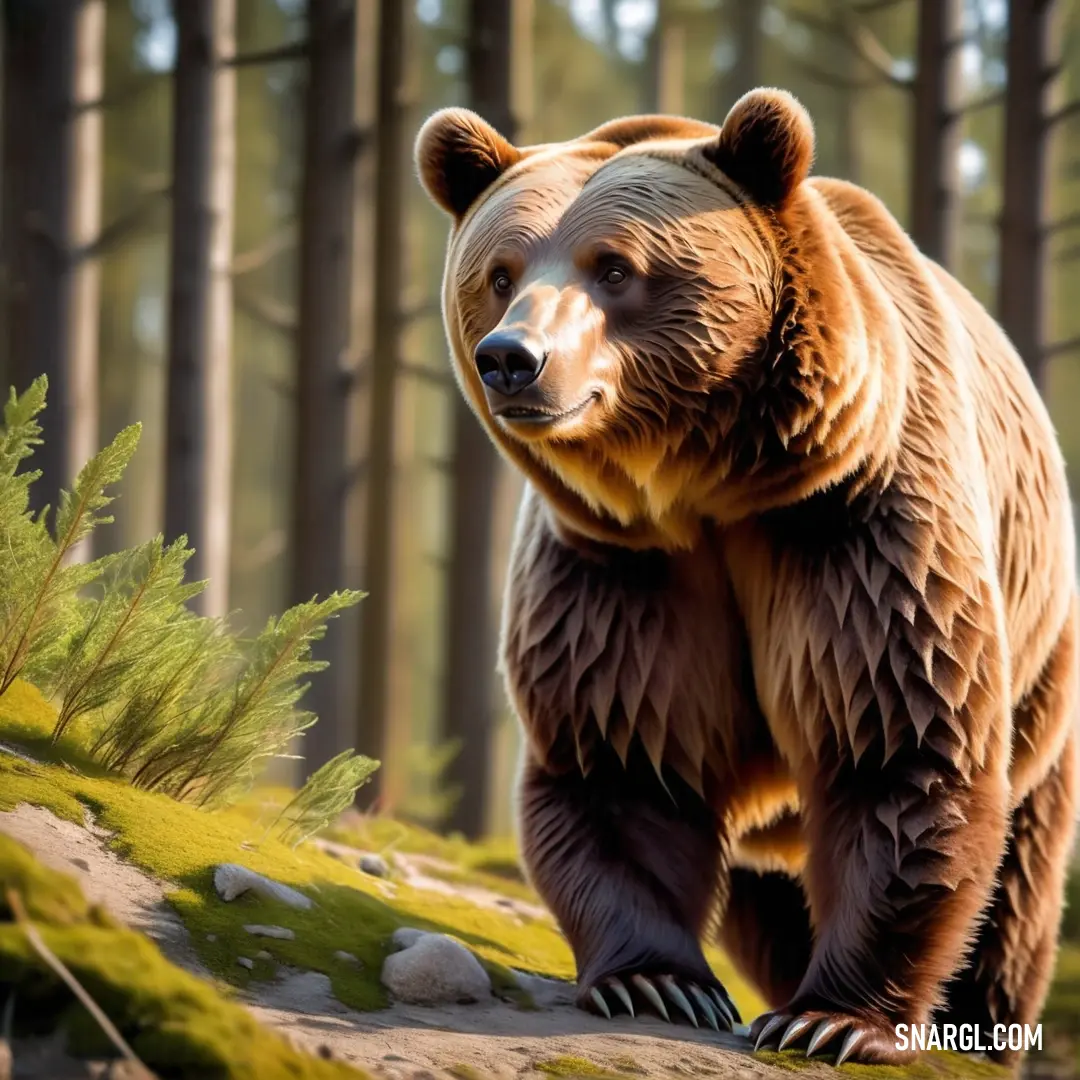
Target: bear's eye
{"points": [[501, 283], [614, 276]]}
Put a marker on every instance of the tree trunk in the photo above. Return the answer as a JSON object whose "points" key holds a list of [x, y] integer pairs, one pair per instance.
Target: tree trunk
{"points": [[327, 351], [470, 634], [842, 60], [54, 67], [380, 383], [935, 179], [666, 62], [1034, 34], [199, 429], [745, 72]]}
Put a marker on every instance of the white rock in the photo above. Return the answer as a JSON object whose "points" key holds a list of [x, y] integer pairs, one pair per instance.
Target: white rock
{"points": [[345, 957], [281, 932], [375, 865], [406, 936], [232, 880], [244, 962], [435, 970], [262, 954]]}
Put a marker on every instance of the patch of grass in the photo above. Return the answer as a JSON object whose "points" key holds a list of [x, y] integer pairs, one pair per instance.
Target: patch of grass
{"points": [[495, 859], [182, 844], [933, 1065], [174, 1022], [516, 889], [569, 1066], [505, 986], [465, 1072], [790, 1060], [47, 896]]}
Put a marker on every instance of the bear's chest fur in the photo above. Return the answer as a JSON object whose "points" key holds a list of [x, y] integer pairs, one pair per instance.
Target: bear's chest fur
{"points": [[602, 645]]}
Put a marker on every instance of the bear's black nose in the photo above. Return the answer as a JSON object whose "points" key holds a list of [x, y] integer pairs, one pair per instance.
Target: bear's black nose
{"points": [[508, 361]]}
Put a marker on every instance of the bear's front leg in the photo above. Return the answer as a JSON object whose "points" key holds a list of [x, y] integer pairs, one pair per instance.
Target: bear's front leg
{"points": [[630, 868], [883, 673], [902, 860]]}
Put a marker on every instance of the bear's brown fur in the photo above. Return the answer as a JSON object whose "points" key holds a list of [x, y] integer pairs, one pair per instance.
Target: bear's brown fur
{"points": [[791, 622]]}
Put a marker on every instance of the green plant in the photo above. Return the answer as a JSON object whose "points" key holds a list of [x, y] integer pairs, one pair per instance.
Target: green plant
{"points": [[169, 699], [328, 791], [39, 608]]}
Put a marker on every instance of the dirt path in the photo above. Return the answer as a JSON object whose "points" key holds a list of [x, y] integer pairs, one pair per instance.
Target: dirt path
{"points": [[495, 1040], [133, 897], [498, 1042]]}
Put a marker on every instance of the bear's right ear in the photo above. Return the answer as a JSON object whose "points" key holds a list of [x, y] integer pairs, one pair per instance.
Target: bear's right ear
{"points": [[459, 156], [766, 145]]}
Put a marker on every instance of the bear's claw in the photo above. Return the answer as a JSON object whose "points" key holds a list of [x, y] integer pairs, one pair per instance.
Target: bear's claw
{"points": [[711, 1006], [865, 1040], [601, 1004]]}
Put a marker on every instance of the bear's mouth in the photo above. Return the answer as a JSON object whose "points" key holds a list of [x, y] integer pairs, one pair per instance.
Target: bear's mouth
{"points": [[519, 414]]}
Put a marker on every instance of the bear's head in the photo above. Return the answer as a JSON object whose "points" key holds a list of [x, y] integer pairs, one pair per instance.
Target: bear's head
{"points": [[623, 309]]}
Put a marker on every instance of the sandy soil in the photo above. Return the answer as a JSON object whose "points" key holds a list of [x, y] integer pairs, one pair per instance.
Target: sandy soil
{"points": [[402, 1042], [125, 892]]}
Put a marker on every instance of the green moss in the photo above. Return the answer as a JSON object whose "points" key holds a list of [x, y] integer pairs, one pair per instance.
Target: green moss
{"points": [[791, 1060], [574, 1067], [464, 1072], [177, 1024], [933, 1065], [492, 863], [46, 895], [182, 844], [504, 985]]}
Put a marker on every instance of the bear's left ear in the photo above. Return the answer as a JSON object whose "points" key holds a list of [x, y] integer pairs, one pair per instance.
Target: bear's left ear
{"points": [[766, 145], [458, 156]]}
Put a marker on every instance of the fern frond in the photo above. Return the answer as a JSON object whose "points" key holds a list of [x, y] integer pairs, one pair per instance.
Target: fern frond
{"points": [[259, 719], [173, 701], [145, 594], [328, 791], [36, 608]]}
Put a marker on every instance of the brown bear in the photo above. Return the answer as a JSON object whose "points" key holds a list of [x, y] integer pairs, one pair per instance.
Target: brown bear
{"points": [[791, 622]]}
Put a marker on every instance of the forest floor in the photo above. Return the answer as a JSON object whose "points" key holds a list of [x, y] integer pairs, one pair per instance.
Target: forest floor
{"points": [[148, 862]]}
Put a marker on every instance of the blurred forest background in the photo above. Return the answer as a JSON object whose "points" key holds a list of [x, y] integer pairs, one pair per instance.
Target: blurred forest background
{"points": [[209, 222]]}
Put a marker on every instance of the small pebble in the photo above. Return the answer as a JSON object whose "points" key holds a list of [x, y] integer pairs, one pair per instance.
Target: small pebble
{"points": [[232, 881], [244, 962], [211, 937], [82, 864], [375, 865], [262, 954], [345, 957], [281, 932]]}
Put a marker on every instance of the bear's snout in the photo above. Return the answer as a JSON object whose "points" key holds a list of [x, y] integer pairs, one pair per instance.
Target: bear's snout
{"points": [[508, 361]]}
